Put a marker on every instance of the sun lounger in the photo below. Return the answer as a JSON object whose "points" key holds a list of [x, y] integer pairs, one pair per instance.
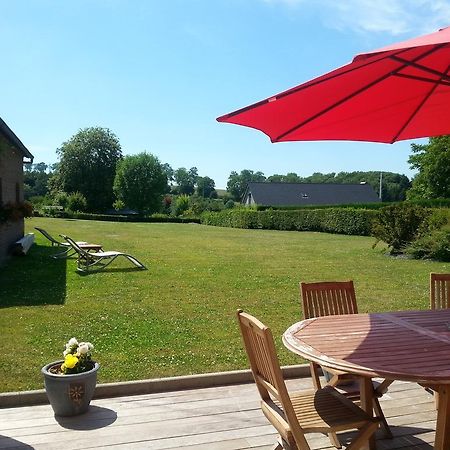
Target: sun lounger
{"points": [[68, 250], [99, 260]]}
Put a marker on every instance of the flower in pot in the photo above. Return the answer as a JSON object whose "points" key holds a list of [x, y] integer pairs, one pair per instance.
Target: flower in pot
{"points": [[70, 383]]}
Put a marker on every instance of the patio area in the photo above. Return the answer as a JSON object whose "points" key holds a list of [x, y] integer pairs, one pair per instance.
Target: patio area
{"points": [[222, 418]]}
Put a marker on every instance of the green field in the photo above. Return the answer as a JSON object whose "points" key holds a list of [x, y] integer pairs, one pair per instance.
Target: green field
{"points": [[178, 317]]}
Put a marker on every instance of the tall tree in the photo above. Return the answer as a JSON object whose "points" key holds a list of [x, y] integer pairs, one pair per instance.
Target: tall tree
{"points": [[237, 183], [205, 186], [186, 180], [432, 160], [35, 180], [140, 182], [88, 165]]}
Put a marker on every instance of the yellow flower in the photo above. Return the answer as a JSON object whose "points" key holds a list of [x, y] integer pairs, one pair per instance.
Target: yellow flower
{"points": [[70, 361]]}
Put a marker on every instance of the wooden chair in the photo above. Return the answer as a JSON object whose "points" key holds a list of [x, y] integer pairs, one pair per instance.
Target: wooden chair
{"points": [[296, 414], [439, 290], [334, 298], [439, 299]]}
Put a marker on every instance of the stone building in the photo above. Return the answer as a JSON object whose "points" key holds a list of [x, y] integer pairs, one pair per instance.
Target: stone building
{"points": [[12, 156]]}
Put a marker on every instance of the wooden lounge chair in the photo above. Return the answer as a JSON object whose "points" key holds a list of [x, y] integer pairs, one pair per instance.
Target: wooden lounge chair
{"points": [[333, 298], [68, 250], [439, 290], [298, 413], [98, 260]]}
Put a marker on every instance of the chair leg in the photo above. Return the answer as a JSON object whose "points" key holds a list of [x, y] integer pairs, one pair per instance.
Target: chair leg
{"points": [[283, 445], [379, 413], [334, 440], [313, 367], [362, 437]]}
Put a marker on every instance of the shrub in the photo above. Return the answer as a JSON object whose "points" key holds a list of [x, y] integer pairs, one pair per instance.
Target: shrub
{"points": [[400, 224], [118, 204], [76, 202], [434, 245], [61, 199], [180, 205]]}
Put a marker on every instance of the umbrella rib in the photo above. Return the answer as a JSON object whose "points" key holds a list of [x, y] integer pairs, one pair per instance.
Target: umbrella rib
{"points": [[436, 85], [310, 83], [354, 94], [427, 80], [443, 75]]}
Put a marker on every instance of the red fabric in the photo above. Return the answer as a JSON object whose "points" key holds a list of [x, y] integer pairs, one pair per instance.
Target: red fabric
{"points": [[364, 100]]}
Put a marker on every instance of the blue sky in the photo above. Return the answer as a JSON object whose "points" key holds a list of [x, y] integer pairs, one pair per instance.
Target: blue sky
{"points": [[158, 73]]}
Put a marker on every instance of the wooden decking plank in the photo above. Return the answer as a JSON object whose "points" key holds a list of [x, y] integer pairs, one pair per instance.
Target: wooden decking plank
{"points": [[216, 418]]}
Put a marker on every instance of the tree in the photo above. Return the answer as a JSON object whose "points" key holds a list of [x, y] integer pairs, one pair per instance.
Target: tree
{"points": [[36, 180], [237, 183], [433, 163], [205, 187], [140, 182], [186, 180], [169, 174], [291, 177], [88, 165]]}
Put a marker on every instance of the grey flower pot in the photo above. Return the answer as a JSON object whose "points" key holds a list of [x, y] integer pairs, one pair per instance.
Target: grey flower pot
{"points": [[71, 394]]}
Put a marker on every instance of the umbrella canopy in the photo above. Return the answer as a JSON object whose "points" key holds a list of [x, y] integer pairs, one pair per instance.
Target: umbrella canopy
{"points": [[398, 92]]}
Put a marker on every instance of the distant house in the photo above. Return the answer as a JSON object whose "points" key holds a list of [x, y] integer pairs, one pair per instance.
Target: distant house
{"points": [[307, 194], [12, 156]]}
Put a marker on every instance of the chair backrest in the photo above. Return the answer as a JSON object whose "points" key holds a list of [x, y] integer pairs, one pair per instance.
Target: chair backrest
{"points": [[75, 246], [48, 236], [260, 348], [328, 298], [439, 290]]}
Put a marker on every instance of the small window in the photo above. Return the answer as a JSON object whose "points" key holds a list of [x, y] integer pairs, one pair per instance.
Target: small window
{"points": [[17, 192]]}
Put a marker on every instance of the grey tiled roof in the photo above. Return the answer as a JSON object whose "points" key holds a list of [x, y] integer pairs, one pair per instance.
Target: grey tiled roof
{"points": [[290, 194]]}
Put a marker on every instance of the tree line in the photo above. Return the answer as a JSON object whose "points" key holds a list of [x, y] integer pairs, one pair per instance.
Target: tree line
{"points": [[93, 175]]}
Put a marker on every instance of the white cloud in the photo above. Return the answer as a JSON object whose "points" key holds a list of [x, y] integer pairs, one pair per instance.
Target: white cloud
{"points": [[381, 16]]}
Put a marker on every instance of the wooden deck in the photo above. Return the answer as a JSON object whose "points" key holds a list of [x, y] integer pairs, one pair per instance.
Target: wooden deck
{"points": [[222, 418]]}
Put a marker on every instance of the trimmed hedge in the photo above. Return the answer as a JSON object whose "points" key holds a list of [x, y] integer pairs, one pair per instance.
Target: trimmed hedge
{"points": [[432, 203], [121, 218], [331, 220]]}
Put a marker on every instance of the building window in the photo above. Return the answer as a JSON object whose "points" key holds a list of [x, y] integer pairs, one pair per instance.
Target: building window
{"points": [[17, 192]]}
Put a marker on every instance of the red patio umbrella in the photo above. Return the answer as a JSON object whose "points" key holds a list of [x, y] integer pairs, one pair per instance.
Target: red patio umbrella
{"points": [[398, 92]]}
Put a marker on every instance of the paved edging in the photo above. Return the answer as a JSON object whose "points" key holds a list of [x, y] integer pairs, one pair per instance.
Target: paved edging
{"points": [[124, 388]]}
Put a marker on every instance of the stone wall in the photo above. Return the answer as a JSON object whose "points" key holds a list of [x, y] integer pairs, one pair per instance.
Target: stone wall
{"points": [[11, 190]]}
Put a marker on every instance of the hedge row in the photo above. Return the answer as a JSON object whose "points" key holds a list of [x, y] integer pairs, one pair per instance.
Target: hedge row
{"points": [[331, 220], [120, 218], [432, 203]]}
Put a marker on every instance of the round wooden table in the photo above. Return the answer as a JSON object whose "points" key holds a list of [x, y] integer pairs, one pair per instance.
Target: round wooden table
{"points": [[405, 345]]}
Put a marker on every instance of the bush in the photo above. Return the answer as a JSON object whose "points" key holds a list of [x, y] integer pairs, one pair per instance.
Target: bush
{"points": [[76, 202], [398, 225], [180, 204], [61, 199], [434, 245]]}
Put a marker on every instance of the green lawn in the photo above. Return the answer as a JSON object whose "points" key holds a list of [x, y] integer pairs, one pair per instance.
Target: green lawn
{"points": [[178, 317]]}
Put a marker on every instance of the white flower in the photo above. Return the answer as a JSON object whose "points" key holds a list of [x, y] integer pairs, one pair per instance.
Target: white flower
{"points": [[72, 342], [66, 352], [83, 348]]}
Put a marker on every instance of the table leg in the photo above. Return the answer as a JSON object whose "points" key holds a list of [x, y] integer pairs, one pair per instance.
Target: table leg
{"points": [[367, 394], [442, 441]]}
